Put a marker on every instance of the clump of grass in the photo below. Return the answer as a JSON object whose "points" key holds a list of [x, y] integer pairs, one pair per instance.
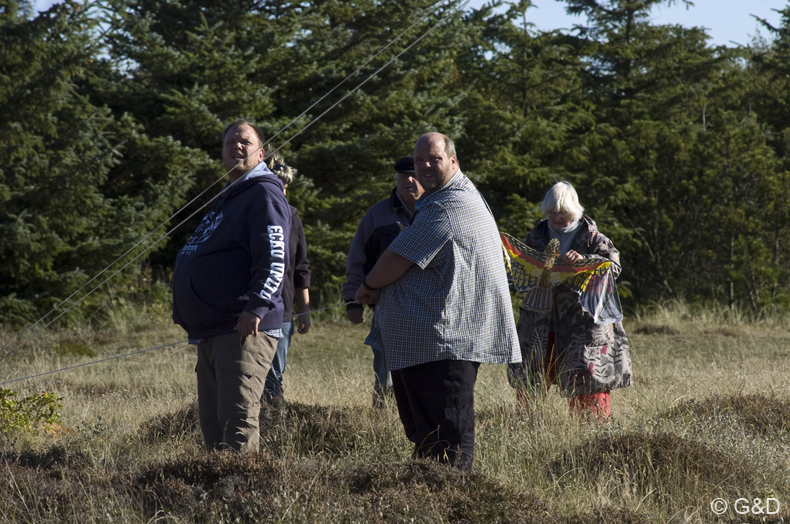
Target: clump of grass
{"points": [[70, 347], [751, 426], [661, 466], [58, 490], [301, 429], [251, 488], [204, 488], [611, 515], [656, 329], [438, 493], [676, 310], [760, 414], [675, 316], [289, 429], [172, 425]]}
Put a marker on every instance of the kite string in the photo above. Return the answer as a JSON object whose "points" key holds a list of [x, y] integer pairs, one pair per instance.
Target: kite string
{"points": [[371, 76], [16, 347]]}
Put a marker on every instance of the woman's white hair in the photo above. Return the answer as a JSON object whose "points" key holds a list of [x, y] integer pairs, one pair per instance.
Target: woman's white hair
{"points": [[562, 198]]}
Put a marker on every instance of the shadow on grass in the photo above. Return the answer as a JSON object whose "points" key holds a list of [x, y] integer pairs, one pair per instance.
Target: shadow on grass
{"points": [[287, 428], [57, 486], [655, 329], [256, 488], [319, 483], [55, 457]]}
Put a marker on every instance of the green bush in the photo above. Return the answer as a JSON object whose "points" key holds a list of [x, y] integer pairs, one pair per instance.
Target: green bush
{"points": [[27, 413]]}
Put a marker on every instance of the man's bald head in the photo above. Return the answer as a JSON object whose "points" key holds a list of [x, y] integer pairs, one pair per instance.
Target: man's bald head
{"points": [[435, 161]]}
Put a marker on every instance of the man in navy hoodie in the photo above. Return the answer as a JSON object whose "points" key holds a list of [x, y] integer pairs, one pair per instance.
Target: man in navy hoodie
{"points": [[227, 290]]}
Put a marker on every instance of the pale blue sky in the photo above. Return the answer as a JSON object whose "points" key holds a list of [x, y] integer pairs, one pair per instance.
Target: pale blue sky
{"points": [[729, 22]]}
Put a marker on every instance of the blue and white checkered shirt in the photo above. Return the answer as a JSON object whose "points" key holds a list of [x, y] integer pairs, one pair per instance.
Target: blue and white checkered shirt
{"points": [[454, 303]]}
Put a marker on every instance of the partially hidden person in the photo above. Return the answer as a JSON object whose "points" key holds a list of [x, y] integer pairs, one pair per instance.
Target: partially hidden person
{"points": [[377, 229], [296, 287]]}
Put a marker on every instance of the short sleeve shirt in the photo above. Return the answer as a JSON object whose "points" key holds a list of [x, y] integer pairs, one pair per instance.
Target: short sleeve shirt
{"points": [[454, 303]]}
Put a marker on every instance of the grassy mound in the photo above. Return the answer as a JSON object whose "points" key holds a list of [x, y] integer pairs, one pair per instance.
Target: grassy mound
{"points": [[759, 414], [664, 467]]}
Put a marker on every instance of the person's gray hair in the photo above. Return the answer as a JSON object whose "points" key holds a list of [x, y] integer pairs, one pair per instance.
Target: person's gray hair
{"points": [[562, 197], [449, 146], [284, 172]]}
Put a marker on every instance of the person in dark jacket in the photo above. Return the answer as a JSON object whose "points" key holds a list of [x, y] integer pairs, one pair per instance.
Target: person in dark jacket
{"points": [[297, 282], [227, 291], [377, 229]]}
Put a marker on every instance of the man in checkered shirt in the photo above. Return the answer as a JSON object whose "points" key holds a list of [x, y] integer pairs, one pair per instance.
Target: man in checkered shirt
{"points": [[443, 306]]}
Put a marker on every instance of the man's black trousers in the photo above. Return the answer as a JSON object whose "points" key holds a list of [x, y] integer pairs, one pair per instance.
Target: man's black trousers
{"points": [[436, 404]]}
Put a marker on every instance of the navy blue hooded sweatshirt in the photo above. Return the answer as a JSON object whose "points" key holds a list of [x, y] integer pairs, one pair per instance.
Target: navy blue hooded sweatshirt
{"points": [[236, 259]]}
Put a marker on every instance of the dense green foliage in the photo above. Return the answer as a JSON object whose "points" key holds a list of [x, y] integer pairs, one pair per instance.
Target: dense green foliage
{"points": [[27, 413], [113, 109]]}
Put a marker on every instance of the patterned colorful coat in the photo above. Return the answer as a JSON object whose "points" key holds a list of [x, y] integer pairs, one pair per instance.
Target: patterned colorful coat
{"points": [[591, 358]]}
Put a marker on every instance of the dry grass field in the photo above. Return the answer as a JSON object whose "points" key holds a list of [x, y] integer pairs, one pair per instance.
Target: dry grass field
{"points": [[705, 425]]}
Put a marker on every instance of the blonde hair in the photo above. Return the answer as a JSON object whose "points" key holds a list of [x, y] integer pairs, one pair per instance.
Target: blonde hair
{"points": [[276, 163], [562, 197]]}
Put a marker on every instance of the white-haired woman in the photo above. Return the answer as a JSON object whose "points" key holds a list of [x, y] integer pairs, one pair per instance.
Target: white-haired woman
{"points": [[565, 345]]}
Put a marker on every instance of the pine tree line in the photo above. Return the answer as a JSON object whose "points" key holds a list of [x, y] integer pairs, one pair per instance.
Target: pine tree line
{"points": [[113, 109]]}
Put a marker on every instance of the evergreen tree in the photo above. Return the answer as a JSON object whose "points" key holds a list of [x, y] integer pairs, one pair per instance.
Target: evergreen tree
{"points": [[192, 68], [60, 221], [768, 100], [679, 150], [681, 161], [524, 112]]}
